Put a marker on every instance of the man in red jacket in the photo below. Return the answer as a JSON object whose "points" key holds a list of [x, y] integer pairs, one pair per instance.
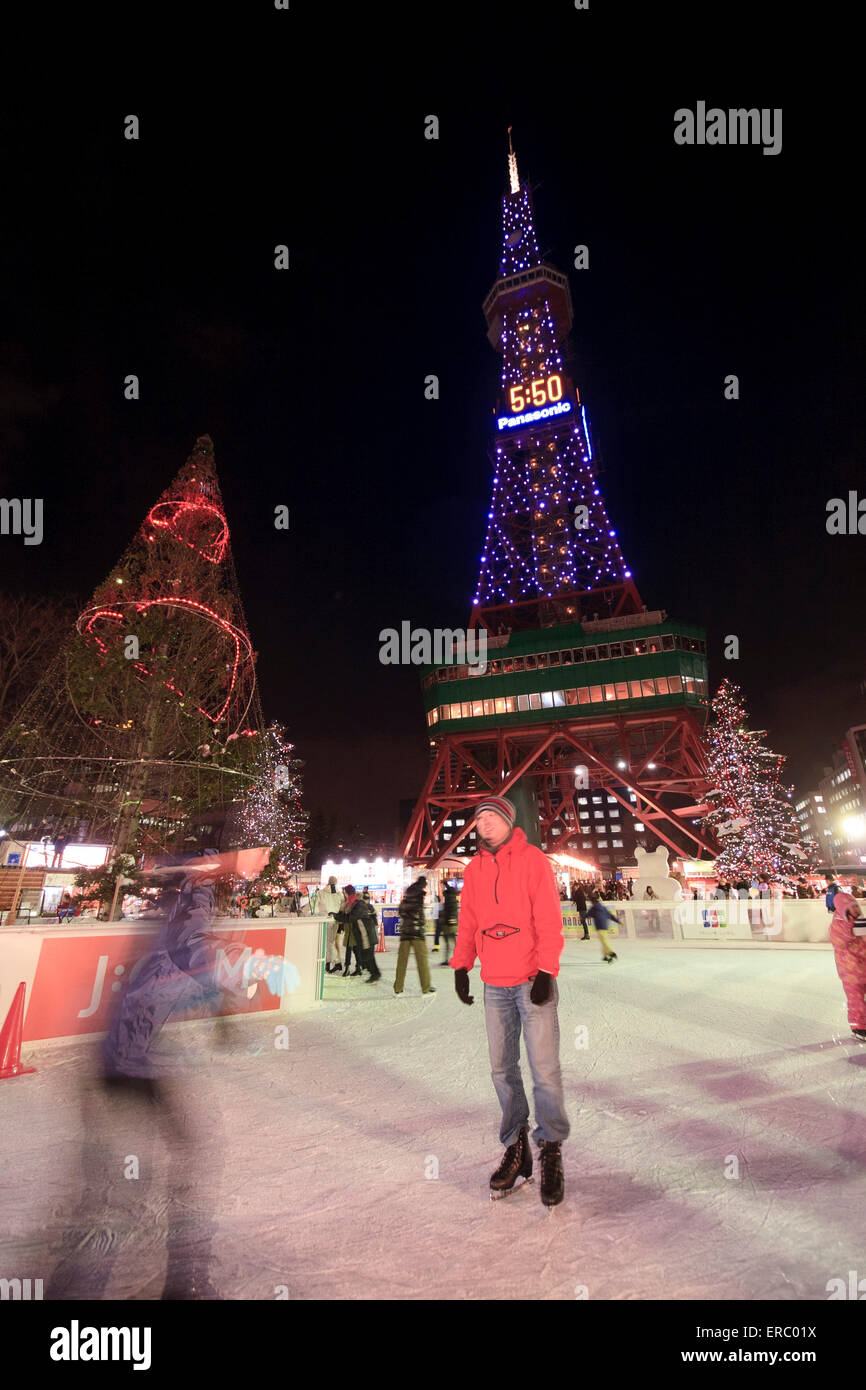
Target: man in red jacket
{"points": [[511, 919]]}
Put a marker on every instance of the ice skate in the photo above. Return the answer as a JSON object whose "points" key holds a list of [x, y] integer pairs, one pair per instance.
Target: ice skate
{"points": [[515, 1170], [552, 1179]]}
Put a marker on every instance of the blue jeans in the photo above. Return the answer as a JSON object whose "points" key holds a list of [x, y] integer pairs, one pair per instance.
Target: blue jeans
{"points": [[506, 1008]]}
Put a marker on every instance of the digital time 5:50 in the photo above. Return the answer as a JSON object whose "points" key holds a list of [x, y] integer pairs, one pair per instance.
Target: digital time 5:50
{"points": [[536, 393]]}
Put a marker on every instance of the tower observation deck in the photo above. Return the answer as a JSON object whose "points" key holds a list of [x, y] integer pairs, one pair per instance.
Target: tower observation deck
{"points": [[582, 682]]}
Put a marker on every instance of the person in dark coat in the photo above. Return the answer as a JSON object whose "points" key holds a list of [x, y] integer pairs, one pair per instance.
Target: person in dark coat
{"points": [[578, 897], [412, 923], [446, 922], [360, 929]]}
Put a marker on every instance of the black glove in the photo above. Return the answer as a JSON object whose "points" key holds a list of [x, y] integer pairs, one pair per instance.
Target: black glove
{"points": [[540, 992], [461, 984]]}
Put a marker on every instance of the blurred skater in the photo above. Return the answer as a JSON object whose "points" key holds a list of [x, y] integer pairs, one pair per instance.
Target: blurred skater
{"points": [[412, 923], [600, 915], [446, 923], [848, 936]]}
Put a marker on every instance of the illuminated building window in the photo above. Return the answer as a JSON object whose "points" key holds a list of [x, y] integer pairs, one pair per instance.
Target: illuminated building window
{"points": [[547, 699], [571, 697], [523, 702], [617, 844], [488, 707], [597, 801], [649, 687], [662, 685], [602, 844], [583, 695], [595, 694], [535, 701], [635, 689], [622, 690], [674, 685], [500, 704], [582, 801], [559, 697]]}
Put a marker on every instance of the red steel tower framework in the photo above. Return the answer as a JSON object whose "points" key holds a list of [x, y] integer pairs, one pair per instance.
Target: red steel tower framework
{"points": [[583, 688]]}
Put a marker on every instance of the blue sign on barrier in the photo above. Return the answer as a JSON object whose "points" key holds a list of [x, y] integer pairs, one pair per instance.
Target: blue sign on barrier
{"points": [[390, 920]]}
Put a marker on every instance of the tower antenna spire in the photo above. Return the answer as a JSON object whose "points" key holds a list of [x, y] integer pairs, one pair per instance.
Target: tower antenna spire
{"points": [[512, 166]]}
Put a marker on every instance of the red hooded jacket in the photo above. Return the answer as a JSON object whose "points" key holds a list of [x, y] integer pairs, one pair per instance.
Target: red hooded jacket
{"points": [[510, 914]]}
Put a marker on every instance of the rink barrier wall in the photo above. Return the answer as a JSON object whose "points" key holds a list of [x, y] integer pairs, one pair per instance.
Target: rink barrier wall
{"points": [[73, 975], [785, 921]]}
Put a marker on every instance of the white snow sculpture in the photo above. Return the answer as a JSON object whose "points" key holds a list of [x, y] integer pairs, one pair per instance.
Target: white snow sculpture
{"points": [[651, 868]]}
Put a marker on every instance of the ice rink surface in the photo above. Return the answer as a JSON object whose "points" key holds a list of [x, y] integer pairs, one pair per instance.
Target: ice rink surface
{"points": [[717, 1148]]}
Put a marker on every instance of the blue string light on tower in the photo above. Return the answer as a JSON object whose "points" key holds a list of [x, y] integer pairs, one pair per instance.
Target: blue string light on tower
{"points": [[550, 550], [579, 673]]}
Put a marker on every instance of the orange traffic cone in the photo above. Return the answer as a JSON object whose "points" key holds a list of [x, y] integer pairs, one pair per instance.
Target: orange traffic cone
{"points": [[10, 1038], [380, 947]]}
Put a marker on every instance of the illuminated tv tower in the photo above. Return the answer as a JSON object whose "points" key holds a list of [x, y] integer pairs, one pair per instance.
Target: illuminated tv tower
{"points": [[586, 694]]}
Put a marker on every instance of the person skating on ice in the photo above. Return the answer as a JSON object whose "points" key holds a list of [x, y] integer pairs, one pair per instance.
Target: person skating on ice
{"points": [[511, 920], [578, 897], [360, 933], [848, 938], [328, 905], [412, 923], [446, 923], [600, 915]]}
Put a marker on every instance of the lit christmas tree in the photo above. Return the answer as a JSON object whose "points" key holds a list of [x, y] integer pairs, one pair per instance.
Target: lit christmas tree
{"points": [[271, 812], [753, 817], [143, 732]]}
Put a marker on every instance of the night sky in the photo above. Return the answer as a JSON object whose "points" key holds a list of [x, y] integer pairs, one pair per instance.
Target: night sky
{"points": [[156, 257]]}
